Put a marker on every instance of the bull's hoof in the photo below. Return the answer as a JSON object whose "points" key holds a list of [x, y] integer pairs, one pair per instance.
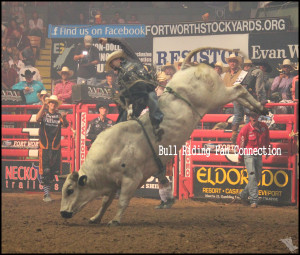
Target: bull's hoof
{"points": [[93, 221], [113, 223]]}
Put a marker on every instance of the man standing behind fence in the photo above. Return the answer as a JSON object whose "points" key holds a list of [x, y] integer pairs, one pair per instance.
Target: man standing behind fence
{"points": [[50, 141], [253, 136], [87, 57]]}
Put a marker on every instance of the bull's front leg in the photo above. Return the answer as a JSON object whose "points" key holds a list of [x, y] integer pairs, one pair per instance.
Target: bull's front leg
{"points": [[106, 202], [129, 186], [247, 100]]}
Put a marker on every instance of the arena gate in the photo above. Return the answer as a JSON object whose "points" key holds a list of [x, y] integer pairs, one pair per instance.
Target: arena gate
{"points": [[217, 176]]}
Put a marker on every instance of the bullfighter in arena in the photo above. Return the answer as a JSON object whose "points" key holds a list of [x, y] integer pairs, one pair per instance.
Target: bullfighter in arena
{"points": [[50, 141]]}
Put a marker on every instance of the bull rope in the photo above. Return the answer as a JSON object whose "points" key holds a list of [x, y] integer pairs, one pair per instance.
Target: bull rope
{"points": [[161, 169]]}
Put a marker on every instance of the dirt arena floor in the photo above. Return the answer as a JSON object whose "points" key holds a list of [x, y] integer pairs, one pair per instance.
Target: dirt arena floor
{"points": [[31, 226]]}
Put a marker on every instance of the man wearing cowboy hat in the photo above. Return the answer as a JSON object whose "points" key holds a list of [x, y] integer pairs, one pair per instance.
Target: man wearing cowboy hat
{"points": [[163, 80], [220, 69], [178, 64], [283, 82], [266, 69], [232, 76], [51, 122], [30, 87], [87, 57], [169, 69], [63, 89], [99, 124], [254, 83], [137, 85]]}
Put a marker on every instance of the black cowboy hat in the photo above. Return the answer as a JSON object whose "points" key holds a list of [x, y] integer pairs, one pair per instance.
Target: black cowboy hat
{"points": [[102, 104], [265, 64], [28, 73], [253, 114]]}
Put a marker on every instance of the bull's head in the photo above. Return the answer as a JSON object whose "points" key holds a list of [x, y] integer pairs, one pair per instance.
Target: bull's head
{"points": [[75, 194]]}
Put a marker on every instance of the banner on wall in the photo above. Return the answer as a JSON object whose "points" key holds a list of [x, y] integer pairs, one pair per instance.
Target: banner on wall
{"points": [[219, 27], [258, 39], [274, 48], [20, 176], [226, 183], [79, 31], [171, 49]]}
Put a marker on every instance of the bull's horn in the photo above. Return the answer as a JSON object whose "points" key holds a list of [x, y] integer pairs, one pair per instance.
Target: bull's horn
{"points": [[193, 52], [62, 177]]}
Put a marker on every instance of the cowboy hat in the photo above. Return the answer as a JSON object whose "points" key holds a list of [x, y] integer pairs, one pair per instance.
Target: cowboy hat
{"points": [[233, 56], [53, 98], [43, 92], [265, 64], [248, 62], [220, 64], [168, 65], [161, 77], [179, 62], [102, 104], [28, 73], [111, 57], [287, 62], [65, 69], [252, 114]]}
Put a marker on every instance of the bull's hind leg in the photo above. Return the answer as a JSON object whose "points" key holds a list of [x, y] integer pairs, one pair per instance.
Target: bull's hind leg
{"points": [[106, 202], [129, 186]]}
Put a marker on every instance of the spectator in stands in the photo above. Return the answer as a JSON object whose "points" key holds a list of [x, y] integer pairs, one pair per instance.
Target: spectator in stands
{"points": [[23, 45], [283, 83], [163, 80], [63, 90], [266, 69], [8, 33], [110, 83], [219, 69], [169, 69], [15, 62], [178, 64], [255, 134], [254, 83], [9, 76], [133, 20], [28, 66], [117, 19], [36, 25], [99, 124], [30, 87], [230, 78], [17, 13], [98, 18], [82, 19], [87, 57], [50, 141]]}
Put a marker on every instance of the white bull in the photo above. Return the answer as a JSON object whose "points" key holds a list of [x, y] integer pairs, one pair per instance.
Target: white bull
{"points": [[121, 158]]}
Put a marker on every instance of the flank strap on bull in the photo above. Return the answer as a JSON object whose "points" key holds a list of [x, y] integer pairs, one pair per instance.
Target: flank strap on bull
{"points": [[161, 170], [171, 91]]}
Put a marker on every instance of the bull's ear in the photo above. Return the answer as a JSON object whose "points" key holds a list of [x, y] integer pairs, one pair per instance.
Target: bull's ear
{"points": [[82, 180], [74, 176]]}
